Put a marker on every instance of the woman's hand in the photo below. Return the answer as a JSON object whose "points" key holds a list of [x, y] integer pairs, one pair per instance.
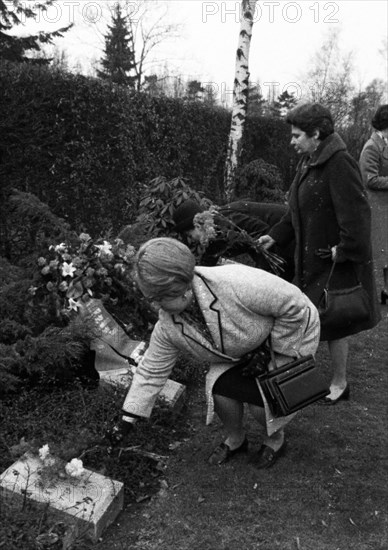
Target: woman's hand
{"points": [[329, 252], [120, 432], [266, 241]]}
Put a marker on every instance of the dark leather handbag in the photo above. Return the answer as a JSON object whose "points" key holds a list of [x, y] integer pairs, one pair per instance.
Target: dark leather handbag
{"points": [[293, 386], [343, 307]]}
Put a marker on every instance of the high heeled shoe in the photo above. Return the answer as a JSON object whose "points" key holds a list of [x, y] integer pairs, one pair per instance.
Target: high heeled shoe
{"points": [[342, 396]]}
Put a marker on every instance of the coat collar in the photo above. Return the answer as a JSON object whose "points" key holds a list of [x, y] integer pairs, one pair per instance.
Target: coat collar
{"points": [[211, 308], [326, 149], [379, 140]]}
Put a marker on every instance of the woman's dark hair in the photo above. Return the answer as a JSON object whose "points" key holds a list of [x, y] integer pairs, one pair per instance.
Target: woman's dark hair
{"points": [[310, 117], [380, 119]]}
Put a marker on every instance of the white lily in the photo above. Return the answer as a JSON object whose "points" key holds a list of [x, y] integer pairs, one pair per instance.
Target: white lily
{"points": [[68, 269]]}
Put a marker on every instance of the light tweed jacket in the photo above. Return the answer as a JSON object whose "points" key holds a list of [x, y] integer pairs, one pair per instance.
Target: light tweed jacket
{"points": [[241, 306]]}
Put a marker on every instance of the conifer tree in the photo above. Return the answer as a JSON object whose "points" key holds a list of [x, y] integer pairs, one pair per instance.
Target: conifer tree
{"points": [[284, 102], [119, 60], [14, 48]]}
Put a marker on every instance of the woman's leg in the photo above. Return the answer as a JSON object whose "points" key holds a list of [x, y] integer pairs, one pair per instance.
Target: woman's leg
{"points": [[231, 413], [338, 350], [276, 440]]}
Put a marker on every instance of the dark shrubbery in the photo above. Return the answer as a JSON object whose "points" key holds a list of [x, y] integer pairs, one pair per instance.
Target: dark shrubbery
{"points": [[89, 149], [260, 182], [81, 156]]}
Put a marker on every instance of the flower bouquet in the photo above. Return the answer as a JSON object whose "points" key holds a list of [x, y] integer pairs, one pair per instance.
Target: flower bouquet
{"points": [[74, 271], [211, 224]]}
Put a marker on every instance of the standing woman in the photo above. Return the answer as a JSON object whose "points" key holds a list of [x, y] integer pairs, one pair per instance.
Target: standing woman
{"points": [[374, 170], [329, 217]]}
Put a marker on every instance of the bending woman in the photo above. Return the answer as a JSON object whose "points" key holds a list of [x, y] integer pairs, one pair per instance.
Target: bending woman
{"points": [[217, 314]]}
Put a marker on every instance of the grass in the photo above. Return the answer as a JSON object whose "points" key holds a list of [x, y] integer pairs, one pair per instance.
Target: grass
{"points": [[329, 491], [73, 423]]}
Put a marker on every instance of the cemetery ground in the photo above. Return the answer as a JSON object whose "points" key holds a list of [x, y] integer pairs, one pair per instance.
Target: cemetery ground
{"points": [[328, 492]]}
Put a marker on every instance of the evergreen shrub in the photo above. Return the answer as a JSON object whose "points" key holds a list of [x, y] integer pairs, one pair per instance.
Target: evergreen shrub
{"points": [[88, 148]]}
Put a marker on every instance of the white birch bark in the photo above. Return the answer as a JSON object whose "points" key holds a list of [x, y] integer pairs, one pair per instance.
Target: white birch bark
{"points": [[240, 96]]}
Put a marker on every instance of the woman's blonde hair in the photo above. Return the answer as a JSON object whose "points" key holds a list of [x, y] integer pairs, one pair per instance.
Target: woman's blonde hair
{"points": [[164, 268]]}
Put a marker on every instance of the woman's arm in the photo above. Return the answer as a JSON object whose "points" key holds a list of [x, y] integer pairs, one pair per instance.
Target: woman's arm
{"points": [[351, 209], [283, 232], [151, 374], [264, 294]]}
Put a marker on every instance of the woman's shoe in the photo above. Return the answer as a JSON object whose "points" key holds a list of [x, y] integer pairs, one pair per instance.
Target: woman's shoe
{"points": [[266, 456], [223, 453], [343, 396]]}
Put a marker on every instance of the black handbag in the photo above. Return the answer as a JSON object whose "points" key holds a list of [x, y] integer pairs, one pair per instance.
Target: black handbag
{"points": [[343, 307], [293, 386]]}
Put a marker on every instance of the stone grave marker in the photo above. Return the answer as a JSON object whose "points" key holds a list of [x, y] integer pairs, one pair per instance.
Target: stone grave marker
{"points": [[90, 504], [113, 347]]}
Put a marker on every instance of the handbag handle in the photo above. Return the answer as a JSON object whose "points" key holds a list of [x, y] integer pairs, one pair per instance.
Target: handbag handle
{"points": [[272, 353], [330, 274]]}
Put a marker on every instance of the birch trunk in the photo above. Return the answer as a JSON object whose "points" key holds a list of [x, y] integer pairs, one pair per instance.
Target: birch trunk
{"points": [[240, 96]]}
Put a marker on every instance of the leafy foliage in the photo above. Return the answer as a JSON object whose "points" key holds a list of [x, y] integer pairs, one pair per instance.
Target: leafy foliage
{"points": [[162, 196], [31, 227], [88, 148], [42, 342], [55, 356], [260, 181], [14, 48]]}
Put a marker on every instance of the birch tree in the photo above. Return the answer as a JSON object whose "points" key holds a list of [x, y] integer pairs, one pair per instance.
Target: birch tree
{"points": [[240, 96]]}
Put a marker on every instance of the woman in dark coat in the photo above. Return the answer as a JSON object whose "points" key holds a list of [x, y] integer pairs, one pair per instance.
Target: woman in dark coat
{"points": [[329, 217]]}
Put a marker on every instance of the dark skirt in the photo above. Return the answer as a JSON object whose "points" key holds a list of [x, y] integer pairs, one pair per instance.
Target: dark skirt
{"points": [[241, 388]]}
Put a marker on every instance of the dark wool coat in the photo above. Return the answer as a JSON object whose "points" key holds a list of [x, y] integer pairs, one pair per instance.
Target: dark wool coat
{"points": [[328, 206]]}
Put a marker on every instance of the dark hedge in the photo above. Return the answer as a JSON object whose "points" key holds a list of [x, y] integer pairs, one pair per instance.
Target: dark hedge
{"points": [[88, 149]]}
